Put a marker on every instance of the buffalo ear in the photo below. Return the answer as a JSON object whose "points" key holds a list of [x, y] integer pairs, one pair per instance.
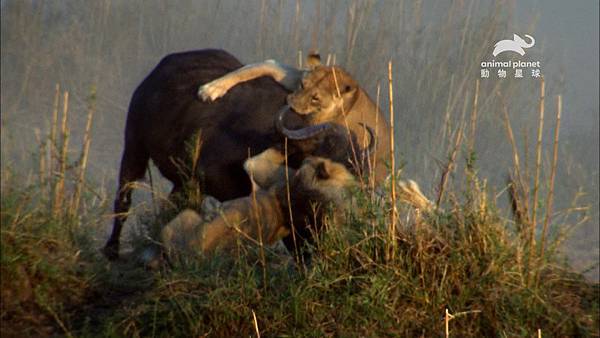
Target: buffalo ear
{"points": [[313, 60], [322, 171]]}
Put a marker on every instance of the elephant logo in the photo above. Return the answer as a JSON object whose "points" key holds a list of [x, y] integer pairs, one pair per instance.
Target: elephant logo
{"points": [[515, 45]]}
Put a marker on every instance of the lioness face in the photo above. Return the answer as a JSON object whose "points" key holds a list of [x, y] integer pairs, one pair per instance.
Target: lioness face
{"points": [[320, 99]]}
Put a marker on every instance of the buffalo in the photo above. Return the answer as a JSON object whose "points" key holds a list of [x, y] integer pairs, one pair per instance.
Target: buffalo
{"points": [[166, 118]]}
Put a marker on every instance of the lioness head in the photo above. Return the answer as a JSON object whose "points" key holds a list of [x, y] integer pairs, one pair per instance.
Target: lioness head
{"points": [[325, 94]]}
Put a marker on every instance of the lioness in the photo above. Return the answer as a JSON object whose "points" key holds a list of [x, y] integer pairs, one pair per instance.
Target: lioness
{"points": [[264, 216], [321, 94]]}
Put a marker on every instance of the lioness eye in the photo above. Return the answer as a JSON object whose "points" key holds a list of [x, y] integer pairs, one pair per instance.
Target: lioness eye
{"points": [[315, 98]]}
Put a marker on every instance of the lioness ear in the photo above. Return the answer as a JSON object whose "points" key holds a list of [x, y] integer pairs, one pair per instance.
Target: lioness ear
{"points": [[313, 60], [264, 168]]}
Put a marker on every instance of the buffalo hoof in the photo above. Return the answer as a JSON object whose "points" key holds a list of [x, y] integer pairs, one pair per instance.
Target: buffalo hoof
{"points": [[111, 251]]}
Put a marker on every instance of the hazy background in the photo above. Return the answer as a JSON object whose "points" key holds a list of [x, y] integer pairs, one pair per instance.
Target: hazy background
{"points": [[435, 48]]}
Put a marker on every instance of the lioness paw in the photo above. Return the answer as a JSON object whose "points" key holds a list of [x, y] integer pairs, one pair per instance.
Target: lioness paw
{"points": [[212, 91]]}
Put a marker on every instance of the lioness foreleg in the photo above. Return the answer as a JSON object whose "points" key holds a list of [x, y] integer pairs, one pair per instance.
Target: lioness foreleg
{"points": [[287, 76]]}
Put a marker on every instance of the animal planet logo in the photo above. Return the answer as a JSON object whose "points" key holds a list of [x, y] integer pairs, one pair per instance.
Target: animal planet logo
{"points": [[517, 45]]}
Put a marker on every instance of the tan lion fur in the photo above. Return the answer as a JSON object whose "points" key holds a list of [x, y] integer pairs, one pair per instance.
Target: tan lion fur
{"points": [[317, 182]]}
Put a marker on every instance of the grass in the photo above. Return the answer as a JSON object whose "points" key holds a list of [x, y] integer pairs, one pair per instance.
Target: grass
{"points": [[43, 275], [467, 259]]}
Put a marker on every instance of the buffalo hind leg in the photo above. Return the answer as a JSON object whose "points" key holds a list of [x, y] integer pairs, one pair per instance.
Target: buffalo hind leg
{"points": [[133, 168]]}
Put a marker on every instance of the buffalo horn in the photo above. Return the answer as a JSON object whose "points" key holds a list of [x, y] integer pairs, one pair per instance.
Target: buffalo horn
{"points": [[302, 133]]}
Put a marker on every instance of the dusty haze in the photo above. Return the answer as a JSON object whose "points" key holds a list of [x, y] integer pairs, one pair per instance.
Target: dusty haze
{"points": [[113, 45]]}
